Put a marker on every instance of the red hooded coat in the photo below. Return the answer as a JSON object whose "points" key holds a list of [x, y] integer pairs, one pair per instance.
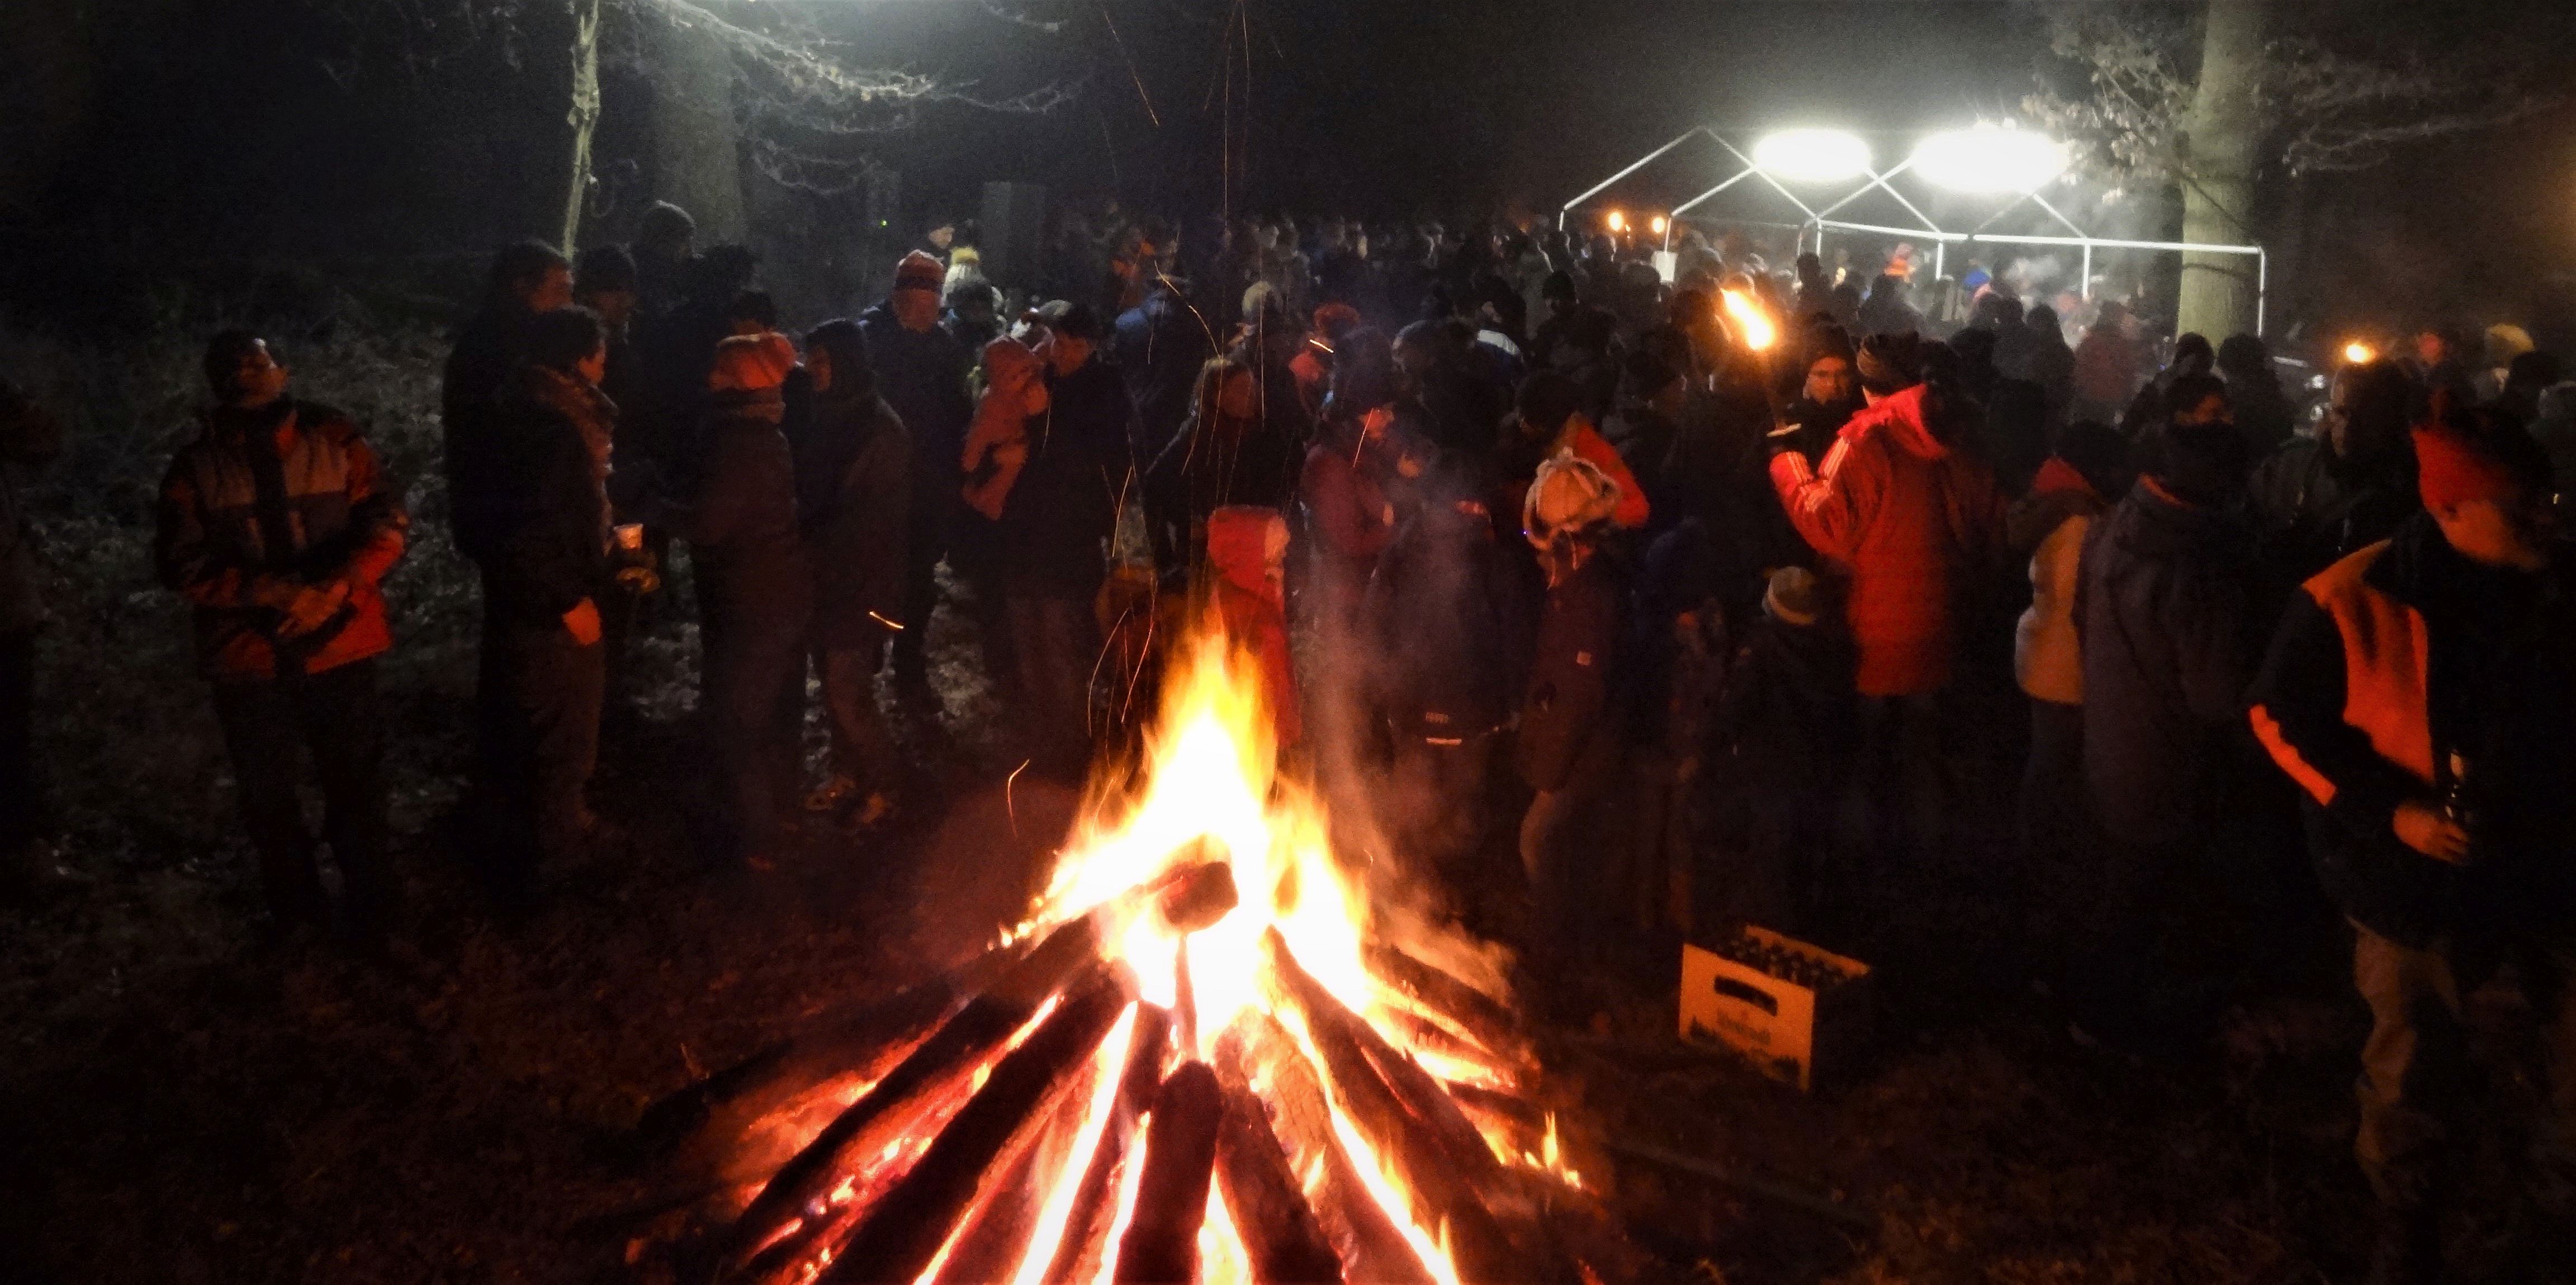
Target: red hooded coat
{"points": [[1908, 521], [1247, 600]]}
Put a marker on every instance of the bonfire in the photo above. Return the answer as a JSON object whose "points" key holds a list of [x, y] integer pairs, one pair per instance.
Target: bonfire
{"points": [[1205, 1055]]}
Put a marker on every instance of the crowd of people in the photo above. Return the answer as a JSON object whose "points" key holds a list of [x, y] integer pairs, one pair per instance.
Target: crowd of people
{"points": [[1522, 532]]}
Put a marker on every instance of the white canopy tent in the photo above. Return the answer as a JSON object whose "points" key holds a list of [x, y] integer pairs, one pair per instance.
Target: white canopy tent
{"points": [[1989, 160]]}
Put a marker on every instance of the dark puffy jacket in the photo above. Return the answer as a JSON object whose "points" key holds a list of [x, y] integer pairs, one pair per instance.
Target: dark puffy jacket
{"points": [[741, 527], [469, 404], [1449, 622], [922, 375], [2161, 607], [1059, 517], [2311, 509], [549, 536], [1159, 349], [1573, 696], [292, 494], [854, 494], [2386, 665]]}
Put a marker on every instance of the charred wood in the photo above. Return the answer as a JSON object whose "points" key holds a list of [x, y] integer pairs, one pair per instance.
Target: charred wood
{"points": [[955, 1049], [1161, 1246], [1085, 1246], [1257, 1050], [1481, 1016], [1443, 1198], [1281, 1237], [903, 1231]]}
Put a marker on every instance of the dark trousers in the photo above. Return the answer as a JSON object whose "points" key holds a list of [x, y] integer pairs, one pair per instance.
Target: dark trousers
{"points": [[1901, 775], [862, 749], [2050, 826], [2416, 1077], [1574, 878], [926, 544], [22, 791], [269, 725], [1055, 644], [755, 706], [541, 699]]}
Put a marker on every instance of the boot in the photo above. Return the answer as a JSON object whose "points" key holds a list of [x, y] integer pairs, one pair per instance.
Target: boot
{"points": [[2408, 1250]]}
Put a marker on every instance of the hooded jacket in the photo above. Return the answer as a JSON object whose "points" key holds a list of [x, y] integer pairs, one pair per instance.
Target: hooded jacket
{"points": [[2161, 605], [289, 493], [550, 514], [2388, 664], [2050, 523], [1449, 621], [1064, 507], [1910, 522], [742, 524]]}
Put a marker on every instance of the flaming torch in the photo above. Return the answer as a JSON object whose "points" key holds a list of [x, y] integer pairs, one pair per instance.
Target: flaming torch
{"points": [[2358, 353], [1752, 325]]}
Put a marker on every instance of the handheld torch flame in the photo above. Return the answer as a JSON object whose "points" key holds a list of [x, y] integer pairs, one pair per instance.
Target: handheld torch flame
{"points": [[1752, 325], [2358, 353]]}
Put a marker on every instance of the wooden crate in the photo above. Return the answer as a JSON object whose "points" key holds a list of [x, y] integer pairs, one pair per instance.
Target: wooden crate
{"points": [[1787, 1029]]}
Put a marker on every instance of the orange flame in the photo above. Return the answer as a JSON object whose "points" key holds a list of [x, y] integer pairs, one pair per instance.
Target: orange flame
{"points": [[1752, 324]]}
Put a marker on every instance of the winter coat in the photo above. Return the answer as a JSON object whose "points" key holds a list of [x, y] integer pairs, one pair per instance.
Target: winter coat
{"points": [[2310, 509], [741, 525], [1249, 603], [1911, 523], [1061, 514], [469, 401], [1572, 697], [289, 495], [923, 377], [1349, 516], [2162, 602], [550, 516], [853, 462], [30, 438], [2050, 524], [1159, 348], [2388, 664], [1448, 621], [1784, 715]]}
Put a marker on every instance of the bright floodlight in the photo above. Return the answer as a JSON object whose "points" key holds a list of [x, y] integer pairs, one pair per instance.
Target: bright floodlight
{"points": [[1617, 222], [1812, 155], [1989, 159]]}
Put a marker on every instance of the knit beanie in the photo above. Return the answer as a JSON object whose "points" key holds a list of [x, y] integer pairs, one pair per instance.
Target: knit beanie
{"points": [[1569, 494], [919, 271], [1791, 597], [1891, 363], [752, 363]]}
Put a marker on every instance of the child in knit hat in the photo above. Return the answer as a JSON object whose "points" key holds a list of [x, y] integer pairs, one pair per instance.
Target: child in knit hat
{"points": [[1783, 730]]}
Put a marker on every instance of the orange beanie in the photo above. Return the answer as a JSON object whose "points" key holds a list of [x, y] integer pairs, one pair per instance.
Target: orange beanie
{"points": [[2454, 467], [752, 363]]}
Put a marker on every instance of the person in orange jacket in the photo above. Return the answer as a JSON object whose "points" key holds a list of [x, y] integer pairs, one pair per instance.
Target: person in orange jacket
{"points": [[2418, 692], [277, 524]]}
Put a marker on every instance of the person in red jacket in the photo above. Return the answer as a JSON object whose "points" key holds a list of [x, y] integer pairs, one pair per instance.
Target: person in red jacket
{"points": [[1247, 548], [277, 524], [1903, 512]]}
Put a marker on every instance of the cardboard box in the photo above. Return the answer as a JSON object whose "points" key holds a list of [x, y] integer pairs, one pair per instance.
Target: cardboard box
{"points": [[1786, 1028]]}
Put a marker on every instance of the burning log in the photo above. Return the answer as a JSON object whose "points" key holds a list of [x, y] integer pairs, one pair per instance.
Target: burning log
{"points": [[856, 1044], [1484, 1020], [1086, 1230], [1280, 1235], [1161, 1246], [1189, 895], [1365, 1237], [902, 1232], [1441, 1194], [990, 1244]]}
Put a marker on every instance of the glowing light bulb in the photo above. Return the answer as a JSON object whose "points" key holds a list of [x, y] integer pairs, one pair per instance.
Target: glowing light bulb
{"points": [[1617, 222], [1659, 224]]}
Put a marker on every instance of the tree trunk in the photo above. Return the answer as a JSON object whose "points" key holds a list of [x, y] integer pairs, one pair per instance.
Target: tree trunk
{"points": [[583, 115], [697, 160], [2218, 290]]}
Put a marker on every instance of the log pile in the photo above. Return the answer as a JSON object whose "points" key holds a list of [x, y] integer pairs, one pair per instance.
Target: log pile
{"points": [[1031, 1118]]}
